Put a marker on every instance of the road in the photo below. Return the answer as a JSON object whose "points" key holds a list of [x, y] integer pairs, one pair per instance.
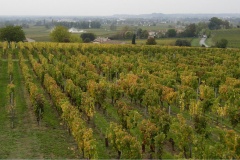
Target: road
{"points": [[202, 42], [30, 40]]}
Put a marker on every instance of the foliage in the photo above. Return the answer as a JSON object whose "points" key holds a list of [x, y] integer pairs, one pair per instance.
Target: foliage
{"points": [[216, 23], [234, 116], [85, 79], [87, 37], [222, 43], [127, 146], [171, 33], [151, 41], [60, 34], [183, 136], [75, 39], [190, 31], [128, 35], [142, 34], [182, 42], [232, 35], [70, 114], [113, 27], [80, 25], [134, 39], [12, 34], [125, 33], [200, 124], [161, 119]]}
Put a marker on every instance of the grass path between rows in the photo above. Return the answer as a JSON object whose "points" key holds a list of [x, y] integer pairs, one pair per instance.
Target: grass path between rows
{"points": [[27, 139]]}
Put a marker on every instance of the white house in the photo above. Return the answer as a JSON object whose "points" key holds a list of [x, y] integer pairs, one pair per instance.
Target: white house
{"points": [[73, 30], [152, 34]]}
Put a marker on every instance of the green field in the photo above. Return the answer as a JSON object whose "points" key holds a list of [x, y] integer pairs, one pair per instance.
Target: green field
{"points": [[161, 42], [166, 41], [41, 33], [210, 42], [232, 35], [37, 33], [195, 42], [119, 101]]}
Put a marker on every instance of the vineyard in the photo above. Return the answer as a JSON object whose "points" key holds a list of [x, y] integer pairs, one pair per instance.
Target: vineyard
{"points": [[230, 34], [126, 101]]}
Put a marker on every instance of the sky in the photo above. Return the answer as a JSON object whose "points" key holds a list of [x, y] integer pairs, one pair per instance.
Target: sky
{"points": [[111, 7]]}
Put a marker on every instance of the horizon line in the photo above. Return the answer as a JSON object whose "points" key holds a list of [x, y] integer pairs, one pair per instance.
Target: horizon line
{"points": [[120, 14]]}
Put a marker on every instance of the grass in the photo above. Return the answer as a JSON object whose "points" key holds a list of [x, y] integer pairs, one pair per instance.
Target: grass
{"points": [[162, 41], [195, 42], [27, 140], [102, 32], [102, 125], [41, 33], [6, 136], [38, 33], [232, 35], [209, 42], [49, 118]]}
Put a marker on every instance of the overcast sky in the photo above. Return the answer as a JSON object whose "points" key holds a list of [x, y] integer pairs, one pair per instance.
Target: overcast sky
{"points": [[110, 7]]}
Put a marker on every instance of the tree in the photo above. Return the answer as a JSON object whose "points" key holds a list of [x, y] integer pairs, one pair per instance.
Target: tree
{"points": [[201, 28], [222, 43], [12, 34], [113, 27], [95, 24], [171, 33], [190, 31], [226, 24], [87, 37], [60, 34], [134, 39], [75, 38], [87, 40], [144, 34], [139, 32], [128, 35], [151, 41], [215, 23]]}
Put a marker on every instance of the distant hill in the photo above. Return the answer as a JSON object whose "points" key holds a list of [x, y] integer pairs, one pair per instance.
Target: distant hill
{"points": [[161, 15]]}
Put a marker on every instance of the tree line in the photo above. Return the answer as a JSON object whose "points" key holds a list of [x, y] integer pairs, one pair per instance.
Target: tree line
{"points": [[79, 25]]}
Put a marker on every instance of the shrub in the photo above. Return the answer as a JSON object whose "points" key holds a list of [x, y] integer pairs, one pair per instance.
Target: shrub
{"points": [[87, 40], [222, 43], [151, 41], [88, 37], [182, 42]]}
